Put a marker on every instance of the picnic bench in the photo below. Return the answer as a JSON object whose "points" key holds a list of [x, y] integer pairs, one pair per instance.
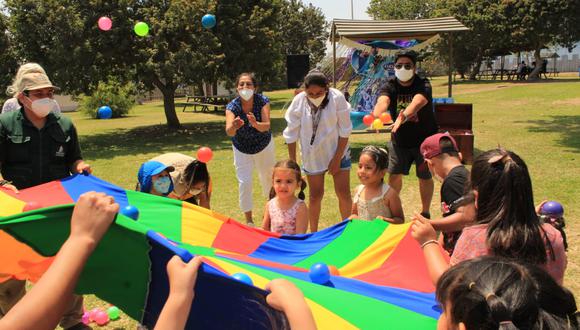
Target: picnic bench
{"points": [[217, 102]]}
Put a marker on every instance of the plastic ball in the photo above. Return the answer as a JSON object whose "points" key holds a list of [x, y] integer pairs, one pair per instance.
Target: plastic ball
{"points": [[105, 112], [377, 124], [333, 270], [319, 273], [93, 313], [552, 208], [243, 278], [141, 29], [386, 118], [101, 318], [131, 212], [105, 23], [113, 312], [86, 318], [29, 206], [208, 21], [368, 120], [204, 154]]}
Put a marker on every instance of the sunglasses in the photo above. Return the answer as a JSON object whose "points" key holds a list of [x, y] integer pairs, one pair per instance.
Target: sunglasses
{"points": [[406, 65]]}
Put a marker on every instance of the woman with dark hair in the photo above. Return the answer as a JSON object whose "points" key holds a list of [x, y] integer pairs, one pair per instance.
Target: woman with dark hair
{"points": [[319, 118], [248, 124], [497, 293], [191, 180], [506, 222]]}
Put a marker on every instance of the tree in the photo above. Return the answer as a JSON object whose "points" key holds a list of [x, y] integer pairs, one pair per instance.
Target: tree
{"points": [[304, 30], [401, 9], [8, 60], [63, 36], [537, 24]]}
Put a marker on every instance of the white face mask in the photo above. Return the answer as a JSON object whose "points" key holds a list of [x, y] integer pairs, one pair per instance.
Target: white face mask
{"points": [[403, 74], [42, 107], [317, 101], [246, 94]]}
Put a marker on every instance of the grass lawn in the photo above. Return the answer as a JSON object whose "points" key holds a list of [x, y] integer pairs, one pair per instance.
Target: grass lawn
{"points": [[539, 121]]}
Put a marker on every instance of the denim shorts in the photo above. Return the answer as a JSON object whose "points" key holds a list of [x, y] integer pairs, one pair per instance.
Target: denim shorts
{"points": [[345, 165]]}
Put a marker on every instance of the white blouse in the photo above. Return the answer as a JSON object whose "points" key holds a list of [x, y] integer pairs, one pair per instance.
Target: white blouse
{"points": [[334, 123]]}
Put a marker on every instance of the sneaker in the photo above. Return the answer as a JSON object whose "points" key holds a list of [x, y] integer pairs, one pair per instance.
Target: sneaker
{"points": [[426, 215]]}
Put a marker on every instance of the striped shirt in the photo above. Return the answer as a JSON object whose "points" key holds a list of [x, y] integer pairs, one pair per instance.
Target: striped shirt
{"points": [[334, 122]]}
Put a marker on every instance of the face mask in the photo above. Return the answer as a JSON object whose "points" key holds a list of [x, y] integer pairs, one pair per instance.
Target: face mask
{"points": [[403, 74], [43, 107], [318, 101], [246, 94], [162, 185]]}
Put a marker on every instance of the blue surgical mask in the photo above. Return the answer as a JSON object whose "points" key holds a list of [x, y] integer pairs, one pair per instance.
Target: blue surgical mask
{"points": [[162, 185]]}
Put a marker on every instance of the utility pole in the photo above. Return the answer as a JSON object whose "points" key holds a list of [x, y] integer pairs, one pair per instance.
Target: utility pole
{"points": [[351, 10]]}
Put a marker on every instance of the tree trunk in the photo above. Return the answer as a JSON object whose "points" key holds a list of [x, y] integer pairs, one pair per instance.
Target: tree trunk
{"points": [[168, 91], [535, 74], [475, 71]]}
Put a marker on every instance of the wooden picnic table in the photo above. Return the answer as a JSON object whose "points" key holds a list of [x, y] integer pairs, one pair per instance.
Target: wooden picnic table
{"points": [[205, 102]]}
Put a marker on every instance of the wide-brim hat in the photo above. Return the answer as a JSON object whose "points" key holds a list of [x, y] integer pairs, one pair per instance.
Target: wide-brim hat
{"points": [[35, 80]]}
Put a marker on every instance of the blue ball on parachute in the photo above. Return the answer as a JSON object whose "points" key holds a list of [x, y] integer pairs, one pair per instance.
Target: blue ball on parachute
{"points": [[208, 21], [243, 278], [131, 212], [319, 273], [105, 112]]}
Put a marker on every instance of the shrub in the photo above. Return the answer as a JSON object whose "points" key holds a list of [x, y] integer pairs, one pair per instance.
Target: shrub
{"points": [[121, 98]]}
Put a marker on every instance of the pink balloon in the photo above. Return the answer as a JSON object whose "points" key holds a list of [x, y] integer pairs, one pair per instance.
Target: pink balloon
{"points": [[105, 23], [86, 319], [101, 318], [204, 154], [93, 313]]}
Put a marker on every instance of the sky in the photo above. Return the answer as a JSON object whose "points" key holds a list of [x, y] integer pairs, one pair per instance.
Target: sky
{"points": [[341, 8]]}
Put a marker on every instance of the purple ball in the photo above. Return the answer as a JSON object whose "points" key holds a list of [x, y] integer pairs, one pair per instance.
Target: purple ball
{"points": [[552, 208]]}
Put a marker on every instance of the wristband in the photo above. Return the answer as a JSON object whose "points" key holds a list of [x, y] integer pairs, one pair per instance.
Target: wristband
{"points": [[431, 241]]}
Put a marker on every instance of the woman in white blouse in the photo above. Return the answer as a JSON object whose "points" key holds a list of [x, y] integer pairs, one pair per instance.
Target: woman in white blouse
{"points": [[319, 118]]}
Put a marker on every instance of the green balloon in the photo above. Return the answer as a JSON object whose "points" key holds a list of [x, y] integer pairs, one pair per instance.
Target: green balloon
{"points": [[113, 312], [141, 29]]}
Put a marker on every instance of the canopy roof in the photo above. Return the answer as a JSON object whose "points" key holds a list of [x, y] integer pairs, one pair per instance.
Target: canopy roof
{"points": [[421, 29]]}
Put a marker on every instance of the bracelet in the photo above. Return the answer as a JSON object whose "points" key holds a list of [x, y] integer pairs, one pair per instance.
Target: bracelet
{"points": [[431, 241]]}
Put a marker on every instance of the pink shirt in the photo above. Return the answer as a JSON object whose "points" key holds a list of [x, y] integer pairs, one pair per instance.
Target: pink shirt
{"points": [[472, 244], [283, 221]]}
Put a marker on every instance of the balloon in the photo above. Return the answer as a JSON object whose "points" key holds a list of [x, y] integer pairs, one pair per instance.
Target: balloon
{"points": [[386, 118], [377, 124], [101, 318], [93, 313], [29, 206], [204, 154], [131, 212], [319, 273], [86, 318], [105, 23], [243, 278], [208, 21], [552, 208], [368, 120], [113, 312], [333, 270], [141, 29], [105, 112]]}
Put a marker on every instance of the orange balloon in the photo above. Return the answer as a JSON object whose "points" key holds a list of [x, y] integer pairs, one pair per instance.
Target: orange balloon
{"points": [[386, 118], [204, 154], [368, 120], [333, 270]]}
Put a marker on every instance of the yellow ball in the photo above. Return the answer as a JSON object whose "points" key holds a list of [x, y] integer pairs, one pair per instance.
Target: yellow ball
{"points": [[377, 124]]}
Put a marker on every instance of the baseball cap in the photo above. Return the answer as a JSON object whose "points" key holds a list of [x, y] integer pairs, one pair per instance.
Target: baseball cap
{"points": [[35, 80], [149, 169], [430, 147], [407, 53]]}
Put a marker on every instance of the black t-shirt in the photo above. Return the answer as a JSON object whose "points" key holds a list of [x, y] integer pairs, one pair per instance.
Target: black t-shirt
{"points": [[419, 126], [452, 189]]}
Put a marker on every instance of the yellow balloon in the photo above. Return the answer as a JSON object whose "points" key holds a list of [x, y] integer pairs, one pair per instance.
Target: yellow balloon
{"points": [[377, 124]]}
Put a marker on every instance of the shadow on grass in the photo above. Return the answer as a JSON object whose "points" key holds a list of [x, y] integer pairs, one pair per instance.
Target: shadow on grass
{"points": [[160, 138], [568, 128]]}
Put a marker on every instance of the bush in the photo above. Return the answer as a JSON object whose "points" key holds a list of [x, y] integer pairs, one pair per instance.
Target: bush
{"points": [[121, 98]]}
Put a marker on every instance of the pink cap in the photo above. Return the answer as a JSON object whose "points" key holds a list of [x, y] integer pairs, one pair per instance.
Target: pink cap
{"points": [[430, 147]]}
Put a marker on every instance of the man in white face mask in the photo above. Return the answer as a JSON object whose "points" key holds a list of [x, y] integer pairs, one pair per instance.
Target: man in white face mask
{"points": [[408, 98]]}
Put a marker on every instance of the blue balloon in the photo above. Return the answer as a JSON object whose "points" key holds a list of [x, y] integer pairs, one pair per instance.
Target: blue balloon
{"points": [[243, 278], [105, 112], [552, 208], [208, 21], [319, 273], [131, 212]]}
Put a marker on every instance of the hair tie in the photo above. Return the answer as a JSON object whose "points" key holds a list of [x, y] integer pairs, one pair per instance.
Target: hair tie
{"points": [[471, 285], [489, 295], [507, 322]]}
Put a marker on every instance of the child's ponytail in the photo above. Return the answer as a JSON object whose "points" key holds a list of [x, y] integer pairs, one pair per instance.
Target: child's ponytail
{"points": [[301, 194]]}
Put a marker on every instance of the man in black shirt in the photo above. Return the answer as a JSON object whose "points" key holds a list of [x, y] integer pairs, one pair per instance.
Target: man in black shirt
{"points": [[408, 99], [444, 160]]}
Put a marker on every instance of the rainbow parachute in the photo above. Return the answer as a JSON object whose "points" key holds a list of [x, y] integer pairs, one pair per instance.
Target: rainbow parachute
{"points": [[383, 280]]}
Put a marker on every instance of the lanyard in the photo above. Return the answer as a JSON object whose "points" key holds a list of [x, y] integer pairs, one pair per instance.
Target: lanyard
{"points": [[315, 121]]}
